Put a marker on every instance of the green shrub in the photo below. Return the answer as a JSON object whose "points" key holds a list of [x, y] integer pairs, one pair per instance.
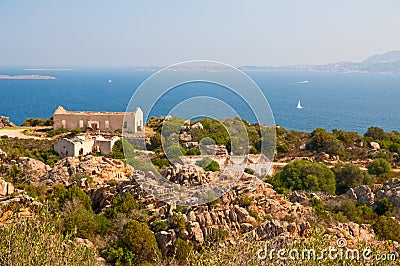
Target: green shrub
{"points": [[378, 167], [376, 133], [395, 147], [122, 256], [178, 222], [249, 171], [383, 206], [323, 141], [75, 132], [61, 195], [161, 163], [208, 164], [387, 228], [193, 151], [79, 220], [137, 237], [158, 226], [253, 214], [303, 175], [282, 148], [245, 201], [182, 250], [59, 131], [348, 176], [37, 122], [122, 204]]}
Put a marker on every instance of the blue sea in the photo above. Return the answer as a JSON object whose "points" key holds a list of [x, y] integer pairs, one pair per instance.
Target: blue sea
{"points": [[347, 101]]}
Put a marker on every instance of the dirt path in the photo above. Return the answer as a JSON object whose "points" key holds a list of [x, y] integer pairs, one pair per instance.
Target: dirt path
{"points": [[16, 133]]}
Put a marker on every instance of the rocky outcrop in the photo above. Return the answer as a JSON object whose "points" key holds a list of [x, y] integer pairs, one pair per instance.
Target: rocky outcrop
{"points": [[100, 169], [189, 175], [32, 169], [5, 122], [6, 188], [364, 194], [391, 191], [375, 145]]}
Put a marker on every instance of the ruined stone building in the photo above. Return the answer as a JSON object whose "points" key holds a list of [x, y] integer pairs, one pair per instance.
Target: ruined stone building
{"points": [[82, 145], [98, 121]]}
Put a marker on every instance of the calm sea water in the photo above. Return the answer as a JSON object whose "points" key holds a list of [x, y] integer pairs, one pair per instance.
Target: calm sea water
{"points": [[352, 102]]}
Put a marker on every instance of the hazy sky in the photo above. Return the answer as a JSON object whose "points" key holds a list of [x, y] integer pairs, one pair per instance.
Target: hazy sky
{"points": [[45, 33]]}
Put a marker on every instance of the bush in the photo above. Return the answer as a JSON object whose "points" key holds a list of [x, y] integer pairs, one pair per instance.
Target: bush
{"points": [[387, 228], [161, 162], [376, 133], [208, 164], [193, 151], [75, 132], [61, 195], [395, 147], [122, 204], [37, 122], [59, 131], [379, 166], [253, 214], [77, 219], [137, 237], [244, 201], [323, 141], [122, 256], [158, 226], [383, 206], [303, 175], [249, 171], [182, 250], [348, 176]]}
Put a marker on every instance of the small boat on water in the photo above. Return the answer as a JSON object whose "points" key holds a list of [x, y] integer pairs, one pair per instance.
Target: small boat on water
{"points": [[109, 81], [299, 105]]}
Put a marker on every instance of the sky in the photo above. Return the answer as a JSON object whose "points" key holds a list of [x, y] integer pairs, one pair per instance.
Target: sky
{"points": [[127, 33]]}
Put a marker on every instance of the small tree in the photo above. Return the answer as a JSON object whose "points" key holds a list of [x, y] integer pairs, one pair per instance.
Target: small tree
{"points": [[137, 237], [348, 176], [379, 166]]}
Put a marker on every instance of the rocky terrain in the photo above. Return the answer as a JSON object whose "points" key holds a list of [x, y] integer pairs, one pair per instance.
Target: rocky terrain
{"points": [[5, 122], [251, 208]]}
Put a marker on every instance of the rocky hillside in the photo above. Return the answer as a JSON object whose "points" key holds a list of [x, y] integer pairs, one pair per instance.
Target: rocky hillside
{"points": [[251, 211]]}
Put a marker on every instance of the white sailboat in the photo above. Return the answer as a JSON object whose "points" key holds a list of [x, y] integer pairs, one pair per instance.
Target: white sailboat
{"points": [[299, 105]]}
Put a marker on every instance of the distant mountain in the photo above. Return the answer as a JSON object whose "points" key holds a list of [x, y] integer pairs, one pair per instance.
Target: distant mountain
{"points": [[388, 63]]}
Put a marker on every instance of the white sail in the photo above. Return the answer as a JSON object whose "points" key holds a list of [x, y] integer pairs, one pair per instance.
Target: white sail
{"points": [[299, 105]]}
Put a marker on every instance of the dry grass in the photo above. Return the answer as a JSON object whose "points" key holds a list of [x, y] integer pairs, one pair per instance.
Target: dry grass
{"points": [[38, 241]]}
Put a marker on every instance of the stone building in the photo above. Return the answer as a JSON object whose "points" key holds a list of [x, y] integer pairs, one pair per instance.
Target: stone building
{"points": [[98, 121], [83, 145]]}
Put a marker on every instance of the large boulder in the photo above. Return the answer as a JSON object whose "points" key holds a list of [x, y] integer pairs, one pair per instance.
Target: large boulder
{"points": [[6, 188], [375, 145]]}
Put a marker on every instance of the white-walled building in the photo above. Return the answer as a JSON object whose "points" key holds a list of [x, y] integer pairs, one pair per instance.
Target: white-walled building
{"points": [[82, 145]]}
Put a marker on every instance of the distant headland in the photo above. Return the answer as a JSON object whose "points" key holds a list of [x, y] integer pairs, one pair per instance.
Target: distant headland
{"points": [[26, 77]]}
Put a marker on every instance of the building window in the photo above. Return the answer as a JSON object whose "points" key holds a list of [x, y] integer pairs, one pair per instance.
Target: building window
{"points": [[63, 124], [107, 124], [125, 124], [81, 123]]}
